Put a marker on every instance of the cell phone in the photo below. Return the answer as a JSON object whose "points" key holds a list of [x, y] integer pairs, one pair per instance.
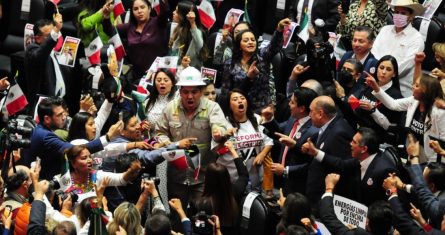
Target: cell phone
{"points": [[121, 116], [7, 211], [441, 142], [38, 161]]}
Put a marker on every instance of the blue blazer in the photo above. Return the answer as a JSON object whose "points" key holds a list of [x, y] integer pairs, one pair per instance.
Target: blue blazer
{"points": [[369, 189], [296, 180], [434, 206], [50, 148]]}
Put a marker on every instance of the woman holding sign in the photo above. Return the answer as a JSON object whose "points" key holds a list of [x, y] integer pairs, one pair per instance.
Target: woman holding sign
{"points": [[250, 141], [146, 35], [249, 68]]}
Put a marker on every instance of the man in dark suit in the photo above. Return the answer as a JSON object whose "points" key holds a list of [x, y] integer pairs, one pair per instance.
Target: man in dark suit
{"points": [[292, 134], [48, 146], [431, 203], [362, 42], [43, 76], [402, 222], [334, 137], [379, 217], [367, 169]]}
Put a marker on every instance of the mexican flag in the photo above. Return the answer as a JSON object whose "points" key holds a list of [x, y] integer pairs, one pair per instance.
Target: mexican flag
{"points": [[117, 43], [118, 8], [304, 26], [177, 158], [15, 100], [207, 14], [92, 51]]}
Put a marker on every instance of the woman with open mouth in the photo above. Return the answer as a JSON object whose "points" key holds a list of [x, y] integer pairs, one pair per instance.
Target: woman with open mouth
{"points": [[250, 141], [81, 177], [249, 68]]}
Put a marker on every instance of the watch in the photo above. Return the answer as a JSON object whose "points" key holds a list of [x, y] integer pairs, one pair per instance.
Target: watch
{"points": [[391, 191]]}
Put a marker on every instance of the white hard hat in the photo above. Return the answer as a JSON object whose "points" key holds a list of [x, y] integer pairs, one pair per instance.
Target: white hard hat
{"points": [[190, 76]]}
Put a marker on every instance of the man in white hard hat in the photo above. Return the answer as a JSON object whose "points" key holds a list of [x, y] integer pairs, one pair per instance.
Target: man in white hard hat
{"points": [[402, 41], [190, 120]]}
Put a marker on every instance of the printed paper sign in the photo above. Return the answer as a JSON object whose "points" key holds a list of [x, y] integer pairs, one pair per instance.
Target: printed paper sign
{"points": [[232, 17], [208, 73], [350, 212], [29, 35], [67, 56], [288, 32]]}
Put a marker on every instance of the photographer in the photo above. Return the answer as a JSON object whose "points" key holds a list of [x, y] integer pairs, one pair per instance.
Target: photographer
{"points": [[210, 224], [17, 189]]}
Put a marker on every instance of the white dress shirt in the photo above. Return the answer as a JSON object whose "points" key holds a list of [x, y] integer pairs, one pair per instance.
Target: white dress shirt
{"points": [[403, 46]]}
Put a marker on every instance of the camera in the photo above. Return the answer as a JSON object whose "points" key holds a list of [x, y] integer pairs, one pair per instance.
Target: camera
{"points": [[53, 184], [59, 193], [322, 50], [201, 224], [63, 195], [18, 132], [155, 179]]}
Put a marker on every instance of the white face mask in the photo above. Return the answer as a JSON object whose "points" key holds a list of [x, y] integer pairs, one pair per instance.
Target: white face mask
{"points": [[400, 20]]}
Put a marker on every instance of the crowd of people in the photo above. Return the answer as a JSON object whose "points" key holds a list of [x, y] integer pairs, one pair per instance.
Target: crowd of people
{"points": [[181, 159]]}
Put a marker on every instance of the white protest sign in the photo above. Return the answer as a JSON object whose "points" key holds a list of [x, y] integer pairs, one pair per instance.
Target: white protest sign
{"points": [[350, 212]]}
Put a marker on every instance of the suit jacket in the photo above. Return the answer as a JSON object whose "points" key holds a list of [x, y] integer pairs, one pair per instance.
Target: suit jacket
{"points": [[434, 206], [330, 220], [369, 189], [296, 179], [370, 62], [335, 140], [321, 9], [49, 147], [404, 223], [39, 67]]}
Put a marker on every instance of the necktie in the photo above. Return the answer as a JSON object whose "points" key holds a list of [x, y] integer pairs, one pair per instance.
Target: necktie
{"points": [[320, 132], [291, 135]]}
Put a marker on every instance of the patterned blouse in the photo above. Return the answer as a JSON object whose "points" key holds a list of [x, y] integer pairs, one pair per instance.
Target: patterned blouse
{"points": [[261, 90], [374, 16]]}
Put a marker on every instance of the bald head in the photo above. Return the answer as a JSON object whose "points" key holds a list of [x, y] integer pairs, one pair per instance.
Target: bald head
{"points": [[322, 110], [19, 168], [314, 85]]}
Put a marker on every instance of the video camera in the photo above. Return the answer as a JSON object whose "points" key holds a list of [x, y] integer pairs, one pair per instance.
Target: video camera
{"points": [[201, 223], [18, 132]]}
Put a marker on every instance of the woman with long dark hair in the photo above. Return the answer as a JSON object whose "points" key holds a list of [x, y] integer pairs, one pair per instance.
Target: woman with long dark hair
{"points": [[250, 141], [188, 38], [220, 196], [371, 113], [249, 68], [164, 91], [296, 207], [423, 118], [146, 35]]}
